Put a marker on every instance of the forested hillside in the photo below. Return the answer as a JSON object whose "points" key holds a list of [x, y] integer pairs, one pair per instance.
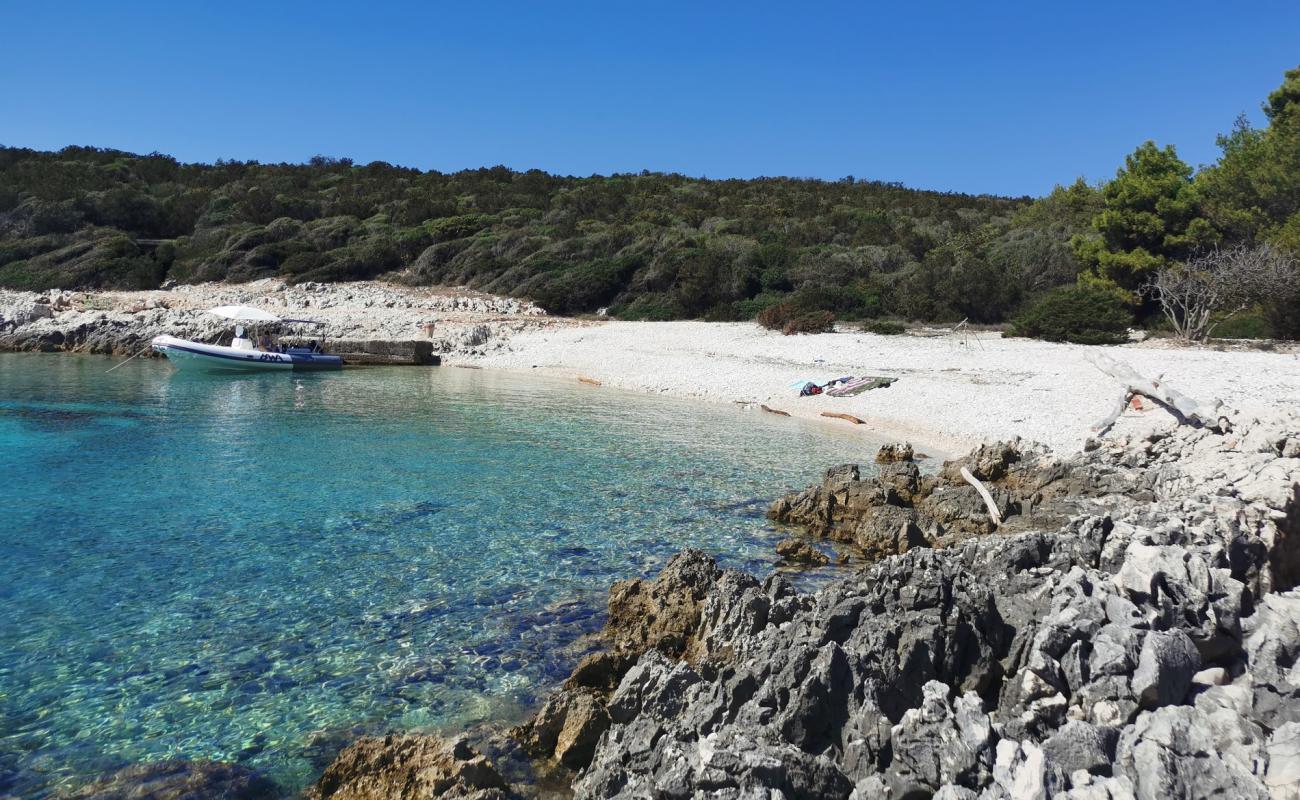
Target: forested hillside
{"points": [[647, 246]]}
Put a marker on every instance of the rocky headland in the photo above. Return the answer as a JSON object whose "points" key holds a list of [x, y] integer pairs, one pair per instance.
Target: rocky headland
{"points": [[361, 317], [1121, 623]]}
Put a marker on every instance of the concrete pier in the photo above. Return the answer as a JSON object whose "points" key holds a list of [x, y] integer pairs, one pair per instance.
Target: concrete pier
{"points": [[417, 352]]}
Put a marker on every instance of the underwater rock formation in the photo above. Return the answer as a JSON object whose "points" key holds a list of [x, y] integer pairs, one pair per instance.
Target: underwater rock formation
{"points": [[178, 779]]}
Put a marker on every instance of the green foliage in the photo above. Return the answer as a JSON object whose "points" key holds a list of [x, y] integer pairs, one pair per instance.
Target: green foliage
{"points": [[789, 319], [1253, 192], [658, 246], [885, 327], [1252, 324], [95, 258], [651, 308], [1152, 214], [1081, 314], [583, 288], [647, 246], [1284, 101]]}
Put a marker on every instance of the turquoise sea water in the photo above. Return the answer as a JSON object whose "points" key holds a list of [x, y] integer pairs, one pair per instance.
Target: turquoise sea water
{"points": [[257, 568]]}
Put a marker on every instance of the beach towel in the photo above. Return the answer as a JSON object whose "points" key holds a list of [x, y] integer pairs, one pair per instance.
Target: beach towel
{"points": [[861, 385]]}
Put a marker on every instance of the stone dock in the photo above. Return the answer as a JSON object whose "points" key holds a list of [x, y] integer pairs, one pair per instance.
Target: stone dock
{"points": [[411, 352]]}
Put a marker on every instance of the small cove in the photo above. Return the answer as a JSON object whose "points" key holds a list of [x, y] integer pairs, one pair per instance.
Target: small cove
{"points": [[258, 568]]}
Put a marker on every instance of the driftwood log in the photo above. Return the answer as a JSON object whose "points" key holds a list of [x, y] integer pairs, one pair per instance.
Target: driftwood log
{"points": [[776, 411], [994, 514], [589, 381], [1186, 410], [848, 417]]}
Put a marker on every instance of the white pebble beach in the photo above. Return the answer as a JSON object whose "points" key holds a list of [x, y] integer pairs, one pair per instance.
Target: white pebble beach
{"points": [[953, 391]]}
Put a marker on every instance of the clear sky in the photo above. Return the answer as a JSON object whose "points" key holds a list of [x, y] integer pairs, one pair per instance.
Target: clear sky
{"points": [[1001, 97]]}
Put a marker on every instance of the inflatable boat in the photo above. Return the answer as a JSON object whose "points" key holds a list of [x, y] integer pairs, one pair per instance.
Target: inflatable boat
{"points": [[241, 355]]}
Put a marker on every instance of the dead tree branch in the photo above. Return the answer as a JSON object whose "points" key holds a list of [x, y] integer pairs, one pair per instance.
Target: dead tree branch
{"points": [[1198, 295], [1186, 410]]}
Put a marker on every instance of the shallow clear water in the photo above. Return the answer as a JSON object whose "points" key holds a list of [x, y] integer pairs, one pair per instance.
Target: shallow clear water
{"points": [[256, 568]]}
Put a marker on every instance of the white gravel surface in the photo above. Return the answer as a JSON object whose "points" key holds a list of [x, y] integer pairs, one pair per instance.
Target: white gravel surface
{"points": [[953, 392]]}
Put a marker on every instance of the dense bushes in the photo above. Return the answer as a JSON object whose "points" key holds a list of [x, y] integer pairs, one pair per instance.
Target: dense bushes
{"points": [[1082, 314], [789, 318], [647, 246], [885, 327]]}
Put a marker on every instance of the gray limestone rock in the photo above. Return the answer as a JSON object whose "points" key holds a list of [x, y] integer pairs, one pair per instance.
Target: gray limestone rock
{"points": [[1283, 775], [1071, 649], [1170, 752], [1080, 745], [1165, 668], [936, 744]]}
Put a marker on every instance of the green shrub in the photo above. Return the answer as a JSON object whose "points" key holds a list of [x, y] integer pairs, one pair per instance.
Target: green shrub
{"points": [[1250, 325], [810, 322], [649, 307], [885, 327], [648, 246], [789, 319], [1080, 314], [585, 287], [750, 309]]}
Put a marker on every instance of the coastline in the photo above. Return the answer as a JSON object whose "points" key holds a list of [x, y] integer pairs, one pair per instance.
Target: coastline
{"points": [[953, 391], [1185, 541], [932, 447]]}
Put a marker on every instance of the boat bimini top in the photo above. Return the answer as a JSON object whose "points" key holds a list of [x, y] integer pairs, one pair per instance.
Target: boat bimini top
{"points": [[245, 314]]}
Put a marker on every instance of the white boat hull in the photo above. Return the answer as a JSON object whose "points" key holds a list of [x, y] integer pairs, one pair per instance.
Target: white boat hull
{"points": [[201, 357]]}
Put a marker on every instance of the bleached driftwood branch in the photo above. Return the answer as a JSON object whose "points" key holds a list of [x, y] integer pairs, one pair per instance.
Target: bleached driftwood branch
{"points": [[994, 514], [1186, 410]]}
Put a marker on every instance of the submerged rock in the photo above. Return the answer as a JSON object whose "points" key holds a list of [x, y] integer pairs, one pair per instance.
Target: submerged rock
{"points": [[799, 552], [178, 779]]}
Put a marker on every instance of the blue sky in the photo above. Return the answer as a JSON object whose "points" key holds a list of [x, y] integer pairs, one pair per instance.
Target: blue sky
{"points": [[1009, 98]]}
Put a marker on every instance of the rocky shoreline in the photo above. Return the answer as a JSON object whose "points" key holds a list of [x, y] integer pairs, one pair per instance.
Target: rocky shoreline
{"points": [[1130, 629], [377, 322]]}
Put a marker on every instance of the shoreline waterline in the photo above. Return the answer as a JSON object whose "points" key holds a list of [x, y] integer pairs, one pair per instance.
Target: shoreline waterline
{"points": [[935, 446]]}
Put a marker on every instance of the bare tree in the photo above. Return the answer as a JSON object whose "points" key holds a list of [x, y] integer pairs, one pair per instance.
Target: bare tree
{"points": [[1218, 284]]}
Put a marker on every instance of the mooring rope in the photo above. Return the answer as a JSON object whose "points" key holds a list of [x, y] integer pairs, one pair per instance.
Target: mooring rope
{"points": [[142, 352]]}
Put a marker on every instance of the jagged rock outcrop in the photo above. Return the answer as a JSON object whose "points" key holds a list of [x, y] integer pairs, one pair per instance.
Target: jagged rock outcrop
{"points": [[1141, 649], [410, 767], [180, 780], [661, 615], [898, 509], [1145, 646]]}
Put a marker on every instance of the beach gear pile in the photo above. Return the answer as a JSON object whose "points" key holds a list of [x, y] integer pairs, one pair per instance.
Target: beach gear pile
{"points": [[846, 386]]}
